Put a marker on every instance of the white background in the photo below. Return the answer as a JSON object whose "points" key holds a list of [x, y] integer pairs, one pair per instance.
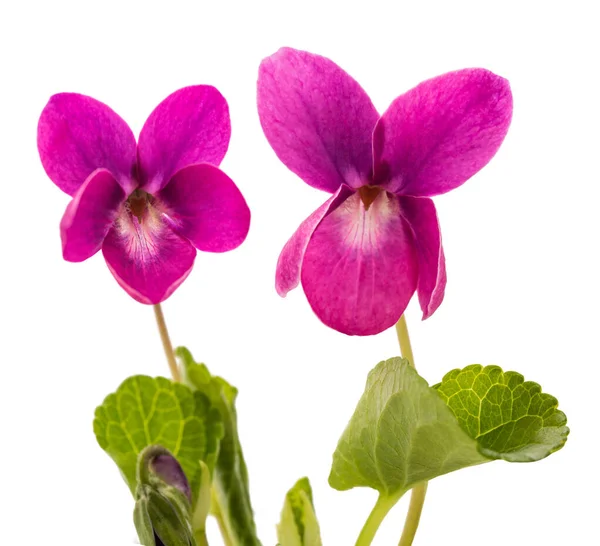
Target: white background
{"points": [[521, 241]]}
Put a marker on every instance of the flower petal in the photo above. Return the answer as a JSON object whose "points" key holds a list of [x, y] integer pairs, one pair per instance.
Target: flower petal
{"points": [[420, 213], [207, 208], [360, 266], [148, 259], [439, 134], [77, 135], [289, 264], [318, 120], [90, 215], [190, 126]]}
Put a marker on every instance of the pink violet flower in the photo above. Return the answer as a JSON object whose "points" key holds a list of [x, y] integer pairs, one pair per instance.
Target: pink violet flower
{"points": [[149, 205], [376, 240]]}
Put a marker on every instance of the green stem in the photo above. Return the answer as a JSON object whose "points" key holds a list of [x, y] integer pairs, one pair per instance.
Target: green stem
{"points": [[201, 539], [383, 505], [215, 510], [404, 341], [166, 341], [415, 508], [417, 496]]}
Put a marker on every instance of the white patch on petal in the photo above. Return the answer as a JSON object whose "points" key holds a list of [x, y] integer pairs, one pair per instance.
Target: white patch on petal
{"points": [[364, 228], [141, 237]]}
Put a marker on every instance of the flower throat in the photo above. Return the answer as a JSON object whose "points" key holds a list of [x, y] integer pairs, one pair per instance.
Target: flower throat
{"points": [[138, 203]]}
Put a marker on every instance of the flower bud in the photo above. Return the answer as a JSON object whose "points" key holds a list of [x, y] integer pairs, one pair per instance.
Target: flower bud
{"points": [[168, 469], [162, 508]]}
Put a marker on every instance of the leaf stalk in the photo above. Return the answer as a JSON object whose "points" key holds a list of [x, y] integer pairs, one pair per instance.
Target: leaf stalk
{"points": [[383, 505]]}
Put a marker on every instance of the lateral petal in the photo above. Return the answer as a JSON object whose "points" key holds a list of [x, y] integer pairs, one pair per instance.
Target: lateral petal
{"points": [[420, 213], [90, 215], [207, 208], [289, 264]]}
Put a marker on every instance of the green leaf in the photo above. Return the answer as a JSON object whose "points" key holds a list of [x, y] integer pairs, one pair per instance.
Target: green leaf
{"points": [[401, 433], [511, 419], [145, 411], [299, 525], [231, 492]]}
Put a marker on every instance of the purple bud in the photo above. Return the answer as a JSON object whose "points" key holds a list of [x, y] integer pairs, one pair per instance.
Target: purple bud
{"points": [[168, 469]]}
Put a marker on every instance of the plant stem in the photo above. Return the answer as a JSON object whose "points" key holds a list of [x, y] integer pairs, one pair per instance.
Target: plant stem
{"points": [[201, 539], [166, 341], [413, 516], [383, 505], [404, 341], [417, 496], [215, 510]]}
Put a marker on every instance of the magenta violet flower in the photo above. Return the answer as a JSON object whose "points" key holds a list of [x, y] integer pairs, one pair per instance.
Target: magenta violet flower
{"points": [[364, 252], [149, 205]]}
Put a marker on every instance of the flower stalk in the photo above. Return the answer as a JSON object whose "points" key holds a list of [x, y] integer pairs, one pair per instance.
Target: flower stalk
{"points": [[166, 341], [216, 512], [417, 498], [413, 516], [385, 503], [404, 341]]}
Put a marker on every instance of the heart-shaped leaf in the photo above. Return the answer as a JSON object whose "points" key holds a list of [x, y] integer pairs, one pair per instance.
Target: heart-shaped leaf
{"points": [[145, 411], [401, 433]]}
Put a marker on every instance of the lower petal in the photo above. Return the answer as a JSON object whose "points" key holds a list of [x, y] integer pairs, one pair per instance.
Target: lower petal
{"points": [[420, 213], [148, 259], [287, 276], [207, 208], [360, 267], [90, 215]]}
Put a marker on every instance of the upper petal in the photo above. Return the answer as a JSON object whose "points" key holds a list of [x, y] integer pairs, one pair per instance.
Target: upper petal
{"points": [[207, 208], [90, 215], [420, 213], [287, 276], [360, 267], [317, 118], [439, 134], [190, 126], [77, 135], [148, 259]]}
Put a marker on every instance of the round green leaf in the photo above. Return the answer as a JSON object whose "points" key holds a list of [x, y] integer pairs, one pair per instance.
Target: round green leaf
{"points": [[511, 419]]}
